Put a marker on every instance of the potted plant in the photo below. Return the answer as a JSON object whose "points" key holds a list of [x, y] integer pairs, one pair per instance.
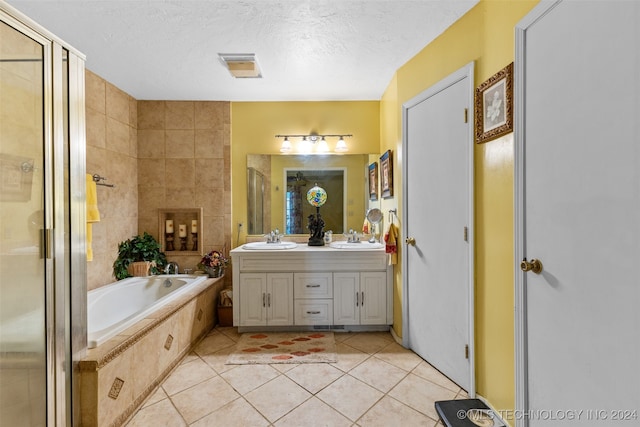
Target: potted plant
{"points": [[139, 249], [213, 263]]}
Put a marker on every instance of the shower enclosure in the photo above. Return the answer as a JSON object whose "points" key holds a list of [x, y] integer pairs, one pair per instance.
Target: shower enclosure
{"points": [[42, 187]]}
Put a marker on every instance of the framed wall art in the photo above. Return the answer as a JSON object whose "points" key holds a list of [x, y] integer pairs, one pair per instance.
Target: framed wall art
{"points": [[373, 181], [386, 175], [494, 106]]}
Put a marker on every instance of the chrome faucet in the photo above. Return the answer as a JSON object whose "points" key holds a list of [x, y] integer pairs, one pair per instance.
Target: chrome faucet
{"points": [[274, 236], [172, 265], [352, 236]]}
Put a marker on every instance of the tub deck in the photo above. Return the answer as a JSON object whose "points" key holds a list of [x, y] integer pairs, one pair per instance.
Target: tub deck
{"points": [[118, 375]]}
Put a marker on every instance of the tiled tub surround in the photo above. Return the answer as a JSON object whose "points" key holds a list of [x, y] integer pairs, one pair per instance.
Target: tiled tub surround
{"points": [[113, 308], [117, 376]]}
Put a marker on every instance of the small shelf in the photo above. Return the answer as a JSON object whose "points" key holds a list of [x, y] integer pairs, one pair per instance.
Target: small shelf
{"points": [[181, 216]]}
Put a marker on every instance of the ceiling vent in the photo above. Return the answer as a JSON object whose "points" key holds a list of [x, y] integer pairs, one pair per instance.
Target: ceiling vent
{"points": [[241, 65]]}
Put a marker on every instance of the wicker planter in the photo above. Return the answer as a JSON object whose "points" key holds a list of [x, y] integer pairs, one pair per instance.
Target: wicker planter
{"points": [[139, 268]]}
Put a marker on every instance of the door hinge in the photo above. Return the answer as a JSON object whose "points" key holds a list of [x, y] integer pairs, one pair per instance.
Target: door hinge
{"points": [[466, 234], [466, 351], [466, 115]]}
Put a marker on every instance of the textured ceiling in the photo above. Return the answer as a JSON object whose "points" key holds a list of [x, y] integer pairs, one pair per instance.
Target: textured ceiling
{"points": [[307, 50]]}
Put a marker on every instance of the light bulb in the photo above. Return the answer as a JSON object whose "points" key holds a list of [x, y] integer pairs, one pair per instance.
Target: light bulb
{"points": [[286, 146], [323, 147], [341, 146]]}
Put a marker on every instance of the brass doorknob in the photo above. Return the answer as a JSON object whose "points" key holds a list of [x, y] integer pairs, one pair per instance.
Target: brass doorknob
{"points": [[535, 265], [410, 241]]}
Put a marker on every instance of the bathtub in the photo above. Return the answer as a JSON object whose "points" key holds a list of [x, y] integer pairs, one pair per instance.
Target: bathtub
{"points": [[118, 375], [113, 308]]}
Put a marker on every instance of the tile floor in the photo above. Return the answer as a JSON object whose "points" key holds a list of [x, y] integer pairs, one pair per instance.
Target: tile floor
{"points": [[376, 382]]}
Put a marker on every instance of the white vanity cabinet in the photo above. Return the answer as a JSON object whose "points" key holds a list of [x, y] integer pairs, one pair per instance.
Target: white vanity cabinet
{"points": [[311, 287], [267, 299], [360, 298], [313, 298]]}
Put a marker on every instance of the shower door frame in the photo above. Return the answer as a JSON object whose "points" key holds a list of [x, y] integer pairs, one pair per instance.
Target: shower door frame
{"points": [[64, 204]]}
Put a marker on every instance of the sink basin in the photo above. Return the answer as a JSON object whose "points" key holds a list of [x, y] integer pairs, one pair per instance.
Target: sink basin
{"points": [[264, 246], [356, 246]]}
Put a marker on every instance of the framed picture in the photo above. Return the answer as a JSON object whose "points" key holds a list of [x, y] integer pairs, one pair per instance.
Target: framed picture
{"points": [[494, 106], [373, 181], [386, 175]]}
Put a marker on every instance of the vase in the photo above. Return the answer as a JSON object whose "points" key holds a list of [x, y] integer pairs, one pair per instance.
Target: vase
{"points": [[214, 271]]}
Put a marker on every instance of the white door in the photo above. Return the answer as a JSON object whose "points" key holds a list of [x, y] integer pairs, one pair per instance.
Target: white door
{"points": [[438, 208], [578, 212]]}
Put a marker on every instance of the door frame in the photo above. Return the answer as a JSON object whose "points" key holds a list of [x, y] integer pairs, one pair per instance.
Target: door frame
{"points": [[520, 279], [466, 71]]}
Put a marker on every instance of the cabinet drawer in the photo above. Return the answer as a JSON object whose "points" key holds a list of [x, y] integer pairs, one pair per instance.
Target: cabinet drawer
{"points": [[313, 312], [313, 285]]}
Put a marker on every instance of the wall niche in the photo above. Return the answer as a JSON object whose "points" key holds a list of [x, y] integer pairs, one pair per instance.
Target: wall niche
{"points": [[181, 231]]}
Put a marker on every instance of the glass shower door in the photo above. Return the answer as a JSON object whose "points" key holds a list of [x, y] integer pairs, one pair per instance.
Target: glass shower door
{"points": [[23, 348]]}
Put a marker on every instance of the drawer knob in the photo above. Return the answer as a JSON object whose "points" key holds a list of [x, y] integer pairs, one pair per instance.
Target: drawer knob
{"points": [[313, 312], [313, 286]]}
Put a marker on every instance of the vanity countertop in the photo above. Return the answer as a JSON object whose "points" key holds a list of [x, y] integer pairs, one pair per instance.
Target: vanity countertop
{"points": [[304, 248]]}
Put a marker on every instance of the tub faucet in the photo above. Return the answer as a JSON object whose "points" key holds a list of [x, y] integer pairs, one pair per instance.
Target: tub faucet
{"points": [[172, 265]]}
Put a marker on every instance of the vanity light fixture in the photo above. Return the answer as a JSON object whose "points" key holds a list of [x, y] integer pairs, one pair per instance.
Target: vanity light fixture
{"points": [[314, 143]]}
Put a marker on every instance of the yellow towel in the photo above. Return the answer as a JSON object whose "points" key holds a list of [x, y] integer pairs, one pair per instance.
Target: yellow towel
{"points": [[93, 214], [89, 239]]}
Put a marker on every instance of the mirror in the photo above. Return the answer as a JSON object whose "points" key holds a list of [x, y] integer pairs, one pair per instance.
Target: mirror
{"points": [[297, 209], [267, 185]]}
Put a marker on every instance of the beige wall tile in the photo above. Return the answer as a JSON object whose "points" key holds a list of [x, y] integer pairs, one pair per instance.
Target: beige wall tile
{"points": [[133, 142], [179, 115], [150, 199], [151, 114], [117, 136], [95, 92], [111, 152], [179, 144], [151, 173], [117, 104], [209, 173], [133, 112], [96, 123], [180, 173], [211, 200], [180, 197], [209, 144], [151, 144]]}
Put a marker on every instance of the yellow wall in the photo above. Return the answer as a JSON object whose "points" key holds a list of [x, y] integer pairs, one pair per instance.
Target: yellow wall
{"points": [[484, 35], [255, 124]]}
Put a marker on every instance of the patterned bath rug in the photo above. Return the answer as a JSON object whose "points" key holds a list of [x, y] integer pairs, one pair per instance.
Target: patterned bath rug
{"points": [[284, 347]]}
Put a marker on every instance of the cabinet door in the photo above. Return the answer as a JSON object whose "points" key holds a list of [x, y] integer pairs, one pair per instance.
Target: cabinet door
{"points": [[373, 298], [280, 299], [346, 288], [252, 299]]}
